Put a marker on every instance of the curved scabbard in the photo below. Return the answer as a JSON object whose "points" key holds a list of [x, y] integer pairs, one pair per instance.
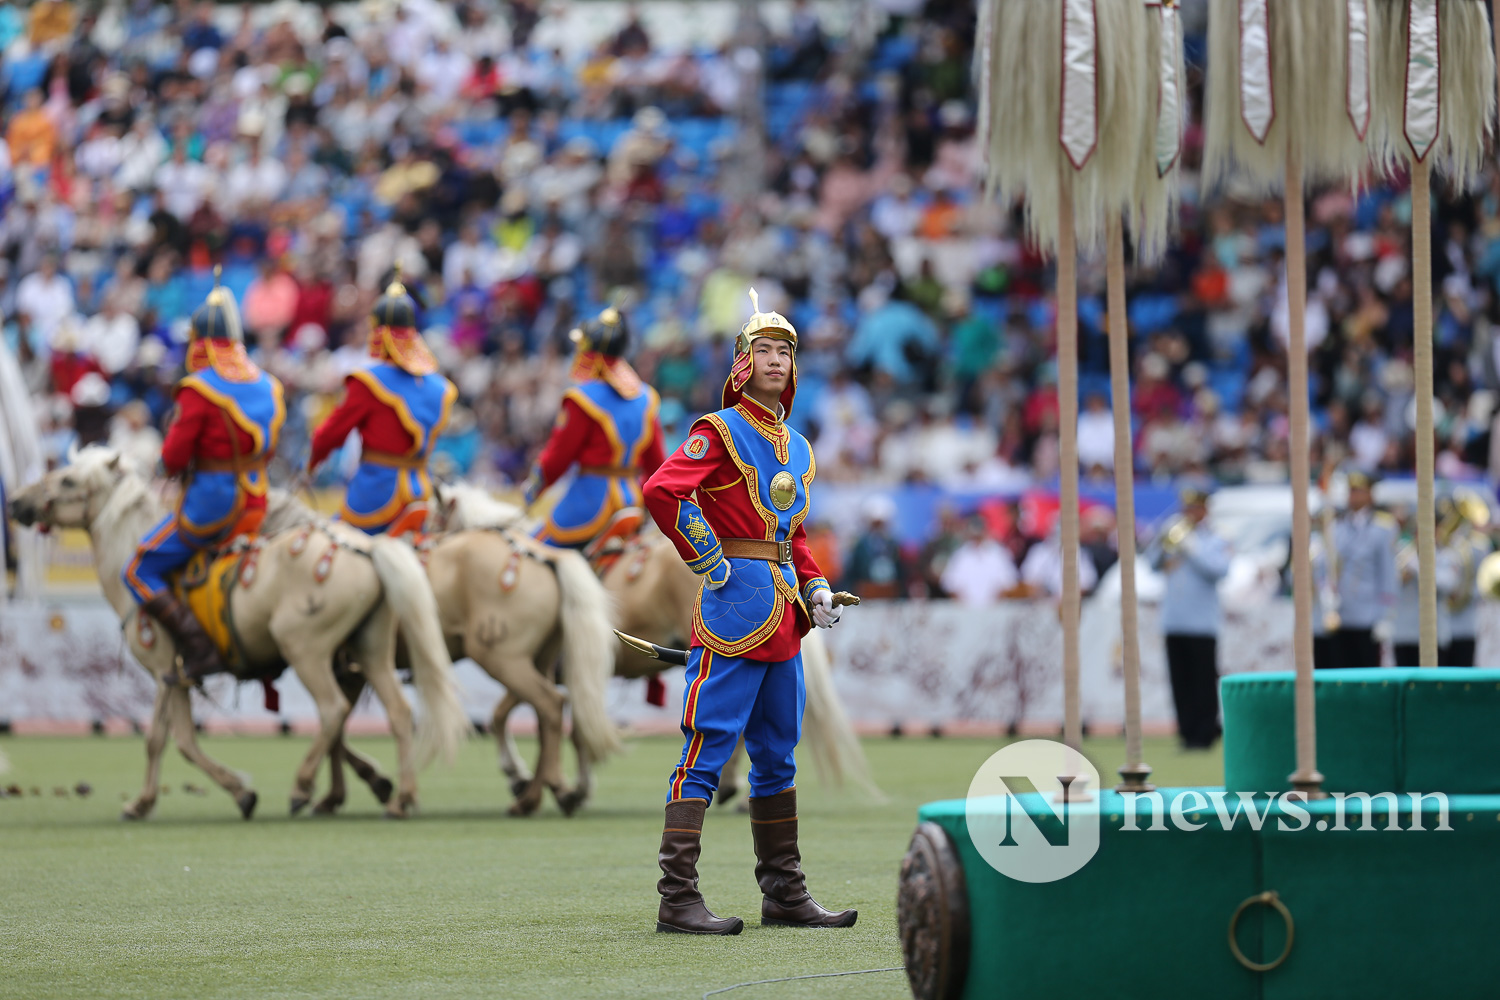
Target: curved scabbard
{"points": [[665, 654]]}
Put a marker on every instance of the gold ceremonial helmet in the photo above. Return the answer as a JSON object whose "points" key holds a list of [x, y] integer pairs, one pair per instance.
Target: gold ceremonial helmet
{"points": [[770, 325], [764, 324]]}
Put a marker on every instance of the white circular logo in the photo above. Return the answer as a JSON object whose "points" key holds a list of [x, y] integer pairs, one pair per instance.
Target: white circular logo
{"points": [[1033, 811]]}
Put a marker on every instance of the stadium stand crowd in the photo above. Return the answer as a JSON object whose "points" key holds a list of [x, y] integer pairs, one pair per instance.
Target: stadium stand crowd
{"points": [[522, 184]]}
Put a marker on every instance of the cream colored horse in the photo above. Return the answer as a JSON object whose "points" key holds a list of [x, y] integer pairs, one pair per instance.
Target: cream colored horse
{"points": [[285, 614], [655, 592], [516, 607]]}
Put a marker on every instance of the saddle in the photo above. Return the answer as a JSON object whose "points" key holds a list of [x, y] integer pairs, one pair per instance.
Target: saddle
{"points": [[615, 540], [205, 580]]}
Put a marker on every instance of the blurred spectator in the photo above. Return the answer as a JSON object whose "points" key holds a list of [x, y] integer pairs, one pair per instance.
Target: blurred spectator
{"points": [[875, 567], [981, 571]]}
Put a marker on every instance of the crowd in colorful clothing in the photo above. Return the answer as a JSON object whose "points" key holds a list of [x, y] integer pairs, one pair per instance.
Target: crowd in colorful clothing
{"points": [[524, 180]]}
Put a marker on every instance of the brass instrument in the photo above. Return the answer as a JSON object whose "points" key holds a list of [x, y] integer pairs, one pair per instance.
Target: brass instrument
{"points": [[1176, 533], [1465, 508], [1489, 576]]}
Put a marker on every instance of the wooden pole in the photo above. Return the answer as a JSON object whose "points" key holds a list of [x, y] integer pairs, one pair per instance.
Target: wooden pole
{"points": [[1067, 433], [1306, 778], [1421, 297], [1135, 771]]}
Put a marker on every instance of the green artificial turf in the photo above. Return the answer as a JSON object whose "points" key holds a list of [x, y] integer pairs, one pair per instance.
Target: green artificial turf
{"points": [[462, 901]]}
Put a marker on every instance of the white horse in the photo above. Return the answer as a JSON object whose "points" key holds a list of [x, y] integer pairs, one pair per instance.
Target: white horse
{"points": [[313, 597], [516, 607], [654, 592]]}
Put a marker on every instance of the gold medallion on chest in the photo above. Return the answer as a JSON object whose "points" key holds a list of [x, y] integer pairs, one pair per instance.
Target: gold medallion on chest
{"points": [[783, 489]]}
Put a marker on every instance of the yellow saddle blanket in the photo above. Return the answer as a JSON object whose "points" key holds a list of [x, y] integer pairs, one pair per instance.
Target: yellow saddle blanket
{"points": [[204, 585]]}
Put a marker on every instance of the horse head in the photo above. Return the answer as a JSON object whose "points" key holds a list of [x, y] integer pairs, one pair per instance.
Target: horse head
{"points": [[72, 495]]}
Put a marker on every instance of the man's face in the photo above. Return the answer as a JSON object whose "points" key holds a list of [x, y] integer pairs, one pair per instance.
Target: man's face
{"points": [[1359, 498], [772, 365], [1195, 512]]}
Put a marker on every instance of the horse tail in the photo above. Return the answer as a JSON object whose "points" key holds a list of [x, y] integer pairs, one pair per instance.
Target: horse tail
{"points": [[443, 726], [825, 728], [588, 652]]}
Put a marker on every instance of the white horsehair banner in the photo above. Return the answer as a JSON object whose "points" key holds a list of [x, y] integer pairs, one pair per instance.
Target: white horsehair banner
{"points": [[1080, 81], [1257, 99], [1423, 102], [1357, 66]]}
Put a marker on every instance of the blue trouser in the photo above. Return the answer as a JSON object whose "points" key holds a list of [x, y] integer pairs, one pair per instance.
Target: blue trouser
{"points": [[730, 695], [211, 509], [164, 549]]}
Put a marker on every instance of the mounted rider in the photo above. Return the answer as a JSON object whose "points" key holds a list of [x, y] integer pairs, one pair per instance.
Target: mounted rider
{"points": [[399, 404], [608, 427], [227, 422], [762, 590]]}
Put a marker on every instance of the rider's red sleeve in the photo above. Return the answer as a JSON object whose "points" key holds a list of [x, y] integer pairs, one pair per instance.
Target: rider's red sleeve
{"points": [[181, 442], [569, 435], [353, 410]]}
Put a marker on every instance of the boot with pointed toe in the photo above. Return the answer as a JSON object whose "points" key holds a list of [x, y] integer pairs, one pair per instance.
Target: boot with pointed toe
{"points": [[778, 867], [682, 909], [200, 657]]}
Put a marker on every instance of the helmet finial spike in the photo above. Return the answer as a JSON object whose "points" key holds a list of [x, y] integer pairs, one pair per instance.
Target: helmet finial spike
{"points": [[754, 301]]}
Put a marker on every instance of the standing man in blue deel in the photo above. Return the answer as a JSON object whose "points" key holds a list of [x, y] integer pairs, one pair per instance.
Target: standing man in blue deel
{"points": [[732, 499]]}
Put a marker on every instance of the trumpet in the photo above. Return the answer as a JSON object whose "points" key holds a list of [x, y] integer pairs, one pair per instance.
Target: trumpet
{"points": [[1465, 506], [1489, 576], [1176, 534]]}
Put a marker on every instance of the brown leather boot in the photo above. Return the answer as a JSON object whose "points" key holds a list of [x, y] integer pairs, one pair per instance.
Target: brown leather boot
{"points": [[682, 908], [200, 657], [778, 867]]}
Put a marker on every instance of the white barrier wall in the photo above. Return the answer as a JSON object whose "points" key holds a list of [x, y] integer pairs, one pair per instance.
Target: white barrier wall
{"points": [[918, 663]]}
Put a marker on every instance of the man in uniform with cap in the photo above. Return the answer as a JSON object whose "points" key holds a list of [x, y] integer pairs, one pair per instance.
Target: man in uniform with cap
{"points": [[1194, 560], [609, 428], [732, 499], [226, 425], [1364, 541], [399, 404]]}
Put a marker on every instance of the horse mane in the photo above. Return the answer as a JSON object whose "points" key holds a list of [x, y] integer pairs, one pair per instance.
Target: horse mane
{"points": [[131, 489], [474, 507], [285, 511]]}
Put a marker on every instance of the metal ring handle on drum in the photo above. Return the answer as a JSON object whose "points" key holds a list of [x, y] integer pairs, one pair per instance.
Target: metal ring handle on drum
{"points": [[1271, 899]]}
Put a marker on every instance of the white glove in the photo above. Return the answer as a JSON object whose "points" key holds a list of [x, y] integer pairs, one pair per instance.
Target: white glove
{"points": [[824, 614], [1383, 631], [713, 580]]}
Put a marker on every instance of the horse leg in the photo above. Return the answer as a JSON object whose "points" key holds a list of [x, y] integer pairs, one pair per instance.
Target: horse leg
{"points": [[368, 771], [316, 674], [180, 707], [572, 802], [388, 689], [156, 742], [511, 763], [520, 677]]}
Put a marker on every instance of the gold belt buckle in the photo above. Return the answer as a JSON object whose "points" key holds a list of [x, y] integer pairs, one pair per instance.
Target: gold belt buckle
{"points": [[784, 551]]}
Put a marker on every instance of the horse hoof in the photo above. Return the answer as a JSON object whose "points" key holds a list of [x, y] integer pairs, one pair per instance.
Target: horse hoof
{"points": [[382, 788], [393, 814], [743, 807], [726, 795], [327, 807], [518, 787], [570, 802], [522, 808], [246, 801], [129, 817], [299, 803]]}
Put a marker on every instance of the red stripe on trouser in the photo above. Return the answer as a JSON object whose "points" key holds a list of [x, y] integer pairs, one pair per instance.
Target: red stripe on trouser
{"points": [[689, 717], [136, 584]]}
